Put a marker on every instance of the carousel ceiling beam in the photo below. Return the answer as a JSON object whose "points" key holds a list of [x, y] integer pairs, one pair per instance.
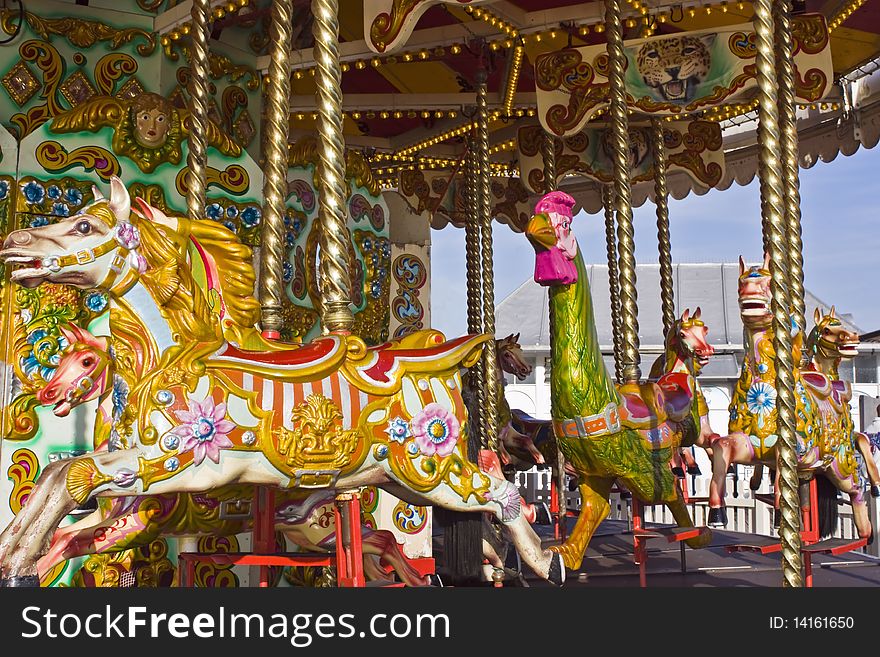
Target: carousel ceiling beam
{"points": [[178, 15], [427, 38], [402, 101], [509, 12], [351, 141]]}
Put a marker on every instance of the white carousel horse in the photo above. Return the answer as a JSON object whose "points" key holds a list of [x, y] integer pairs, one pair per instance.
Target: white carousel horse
{"points": [[331, 414]]}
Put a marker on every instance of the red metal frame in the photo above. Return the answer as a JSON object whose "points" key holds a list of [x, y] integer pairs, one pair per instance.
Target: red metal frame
{"points": [[811, 541], [349, 556]]}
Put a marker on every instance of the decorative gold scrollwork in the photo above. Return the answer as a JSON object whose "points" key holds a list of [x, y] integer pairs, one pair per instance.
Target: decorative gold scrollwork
{"points": [[80, 32]]}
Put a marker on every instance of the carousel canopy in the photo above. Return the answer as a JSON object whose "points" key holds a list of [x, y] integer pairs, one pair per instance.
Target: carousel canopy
{"points": [[409, 77]]}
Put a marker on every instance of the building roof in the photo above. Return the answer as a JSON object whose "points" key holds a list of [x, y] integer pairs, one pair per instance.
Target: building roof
{"points": [[711, 286]]}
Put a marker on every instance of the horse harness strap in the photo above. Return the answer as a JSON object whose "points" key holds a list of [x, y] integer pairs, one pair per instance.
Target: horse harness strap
{"points": [[590, 426], [82, 257]]}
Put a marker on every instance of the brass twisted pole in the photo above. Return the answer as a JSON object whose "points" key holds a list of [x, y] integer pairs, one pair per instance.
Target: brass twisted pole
{"points": [[792, 198], [613, 280], [661, 200], [474, 278], [622, 195], [771, 172], [197, 155], [336, 316], [490, 380], [275, 169], [548, 155], [472, 242]]}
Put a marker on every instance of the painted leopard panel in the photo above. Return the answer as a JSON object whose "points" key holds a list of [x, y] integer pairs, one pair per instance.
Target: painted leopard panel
{"points": [[675, 66]]}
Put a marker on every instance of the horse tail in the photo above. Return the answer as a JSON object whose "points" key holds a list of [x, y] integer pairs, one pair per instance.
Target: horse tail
{"points": [[826, 492], [463, 532]]}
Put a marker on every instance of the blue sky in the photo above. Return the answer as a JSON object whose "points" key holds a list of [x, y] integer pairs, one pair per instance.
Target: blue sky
{"points": [[840, 229]]}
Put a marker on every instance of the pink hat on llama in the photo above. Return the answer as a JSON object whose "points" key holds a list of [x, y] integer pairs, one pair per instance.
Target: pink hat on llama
{"points": [[558, 202]]}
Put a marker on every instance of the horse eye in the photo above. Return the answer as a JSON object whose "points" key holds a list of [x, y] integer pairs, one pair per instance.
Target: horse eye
{"points": [[50, 394], [87, 362], [83, 227]]}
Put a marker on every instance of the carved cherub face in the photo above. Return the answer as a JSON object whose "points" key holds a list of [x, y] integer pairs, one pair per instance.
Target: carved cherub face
{"points": [[151, 127]]}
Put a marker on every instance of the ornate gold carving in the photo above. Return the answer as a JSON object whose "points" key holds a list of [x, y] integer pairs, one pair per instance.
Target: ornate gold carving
{"points": [[742, 44], [22, 472], [80, 32], [111, 68], [209, 574], [119, 114], [233, 179], [810, 33], [387, 26], [145, 567], [53, 157], [318, 442], [50, 63], [83, 476], [221, 66]]}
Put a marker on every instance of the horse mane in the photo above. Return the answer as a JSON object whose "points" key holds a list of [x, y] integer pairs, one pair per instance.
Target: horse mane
{"points": [[237, 276], [170, 282]]}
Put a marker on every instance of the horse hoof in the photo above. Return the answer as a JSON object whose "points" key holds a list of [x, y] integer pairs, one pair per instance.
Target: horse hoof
{"points": [[678, 472], [694, 470], [718, 517], [20, 582], [557, 571], [875, 490]]}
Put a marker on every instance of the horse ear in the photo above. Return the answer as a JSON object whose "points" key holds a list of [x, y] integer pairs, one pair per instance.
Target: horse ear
{"points": [[697, 313], [144, 208], [832, 311], [154, 214], [516, 338], [120, 201], [686, 314], [72, 334], [767, 261], [817, 315], [742, 266], [97, 193]]}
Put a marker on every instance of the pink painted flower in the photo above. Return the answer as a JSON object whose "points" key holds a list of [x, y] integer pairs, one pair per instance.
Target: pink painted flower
{"points": [[128, 235], [204, 430], [436, 430]]}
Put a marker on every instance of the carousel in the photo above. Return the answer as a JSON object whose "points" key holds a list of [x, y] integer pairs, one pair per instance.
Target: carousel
{"points": [[219, 366]]}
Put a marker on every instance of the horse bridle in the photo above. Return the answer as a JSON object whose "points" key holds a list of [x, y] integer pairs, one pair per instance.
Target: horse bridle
{"points": [[83, 384]]}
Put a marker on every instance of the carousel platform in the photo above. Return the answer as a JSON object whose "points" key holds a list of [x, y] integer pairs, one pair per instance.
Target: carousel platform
{"points": [[609, 563]]}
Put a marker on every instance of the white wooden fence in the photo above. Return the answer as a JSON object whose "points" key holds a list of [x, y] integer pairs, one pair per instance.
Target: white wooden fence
{"points": [[744, 513]]}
